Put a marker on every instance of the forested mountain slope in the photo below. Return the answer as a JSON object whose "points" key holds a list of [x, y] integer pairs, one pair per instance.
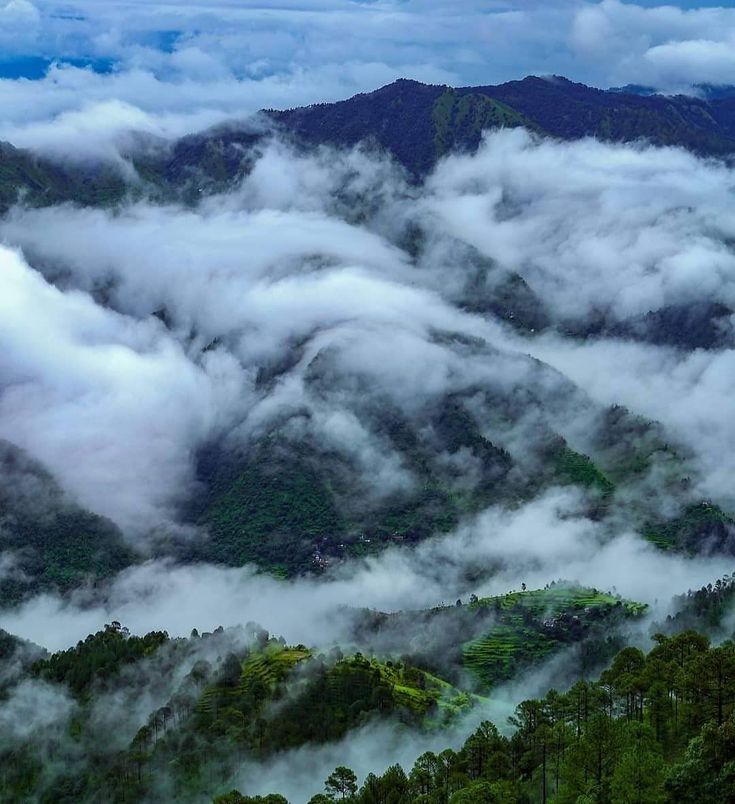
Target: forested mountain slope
{"points": [[419, 123], [416, 123], [188, 714]]}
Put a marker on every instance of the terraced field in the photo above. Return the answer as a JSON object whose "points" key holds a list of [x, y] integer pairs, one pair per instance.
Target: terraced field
{"points": [[421, 692], [272, 666], [496, 656], [260, 673], [556, 599], [532, 625]]}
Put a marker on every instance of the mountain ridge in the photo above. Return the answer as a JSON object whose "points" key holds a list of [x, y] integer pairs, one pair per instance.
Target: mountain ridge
{"points": [[416, 123], [555, 106]]}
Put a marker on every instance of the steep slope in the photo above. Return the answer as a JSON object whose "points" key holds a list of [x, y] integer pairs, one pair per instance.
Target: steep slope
{"points": [[292, 505], [47, 541], [569, 111], [419, 123], [38, 181]]}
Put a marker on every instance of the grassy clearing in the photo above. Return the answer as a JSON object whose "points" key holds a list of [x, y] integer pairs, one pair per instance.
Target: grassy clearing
{"points": [[578, 469], [272, 666]]}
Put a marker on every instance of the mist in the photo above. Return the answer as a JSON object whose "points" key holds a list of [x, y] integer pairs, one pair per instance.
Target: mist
{"points": [[542, 542], [306, 262], [324, 290]]}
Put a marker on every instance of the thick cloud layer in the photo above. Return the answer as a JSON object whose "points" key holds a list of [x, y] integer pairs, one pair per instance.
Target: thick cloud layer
{"points": [[594, 227], [109, 403], [303, 259]]}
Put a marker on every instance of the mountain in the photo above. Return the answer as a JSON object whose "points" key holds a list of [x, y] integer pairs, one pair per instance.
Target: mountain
{"points": [[122, 718], [292, 503], [40, 181], [48, 541], [416, 123], [420, 123]]}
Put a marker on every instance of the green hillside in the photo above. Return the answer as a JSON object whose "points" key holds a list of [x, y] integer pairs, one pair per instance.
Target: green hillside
{"points": [[532, 625]]}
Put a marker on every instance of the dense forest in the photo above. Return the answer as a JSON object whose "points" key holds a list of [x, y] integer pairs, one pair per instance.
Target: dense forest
{"points": [[655, 727], [148, 718]]}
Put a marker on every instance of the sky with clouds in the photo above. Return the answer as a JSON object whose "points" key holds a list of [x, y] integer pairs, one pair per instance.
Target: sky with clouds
{"points": [[172, 67]]}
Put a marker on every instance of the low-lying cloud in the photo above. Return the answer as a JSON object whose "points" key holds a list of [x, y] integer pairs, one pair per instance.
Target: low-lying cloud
{"points": [[107, 402], [544, 541], [306, 259]]}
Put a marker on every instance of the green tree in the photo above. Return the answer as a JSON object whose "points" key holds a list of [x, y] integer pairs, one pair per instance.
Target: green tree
{"points": [[424, 774], [341, 783], [639, 773], [476, 793]]}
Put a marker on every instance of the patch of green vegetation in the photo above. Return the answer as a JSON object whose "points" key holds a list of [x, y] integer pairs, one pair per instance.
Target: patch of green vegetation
{"points": [[575, 468], [100, 656], [272, 515], [437, 507], [701, 527], [630, 445], [38, 182], [422, 692], [61, 551], [702, 609], [273, 665], [258, 677], [54, 543], [531, 625], [461, 119], [497, 655], [432, 510], [291, 507], [280, 697]]}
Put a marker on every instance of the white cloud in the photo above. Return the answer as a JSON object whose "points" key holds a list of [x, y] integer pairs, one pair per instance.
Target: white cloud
{"points": [[700, 60], [541, 542], [690, 393], [19, 13], [622, 229], [663, 46], [110, 404], [185, 66], [593, 226]]}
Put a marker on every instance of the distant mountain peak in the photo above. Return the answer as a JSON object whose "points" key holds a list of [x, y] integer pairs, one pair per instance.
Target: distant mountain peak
{"points": [[419, 123]]}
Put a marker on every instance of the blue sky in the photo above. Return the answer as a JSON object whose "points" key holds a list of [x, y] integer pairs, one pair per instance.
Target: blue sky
{"points": [[174, 66]]}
